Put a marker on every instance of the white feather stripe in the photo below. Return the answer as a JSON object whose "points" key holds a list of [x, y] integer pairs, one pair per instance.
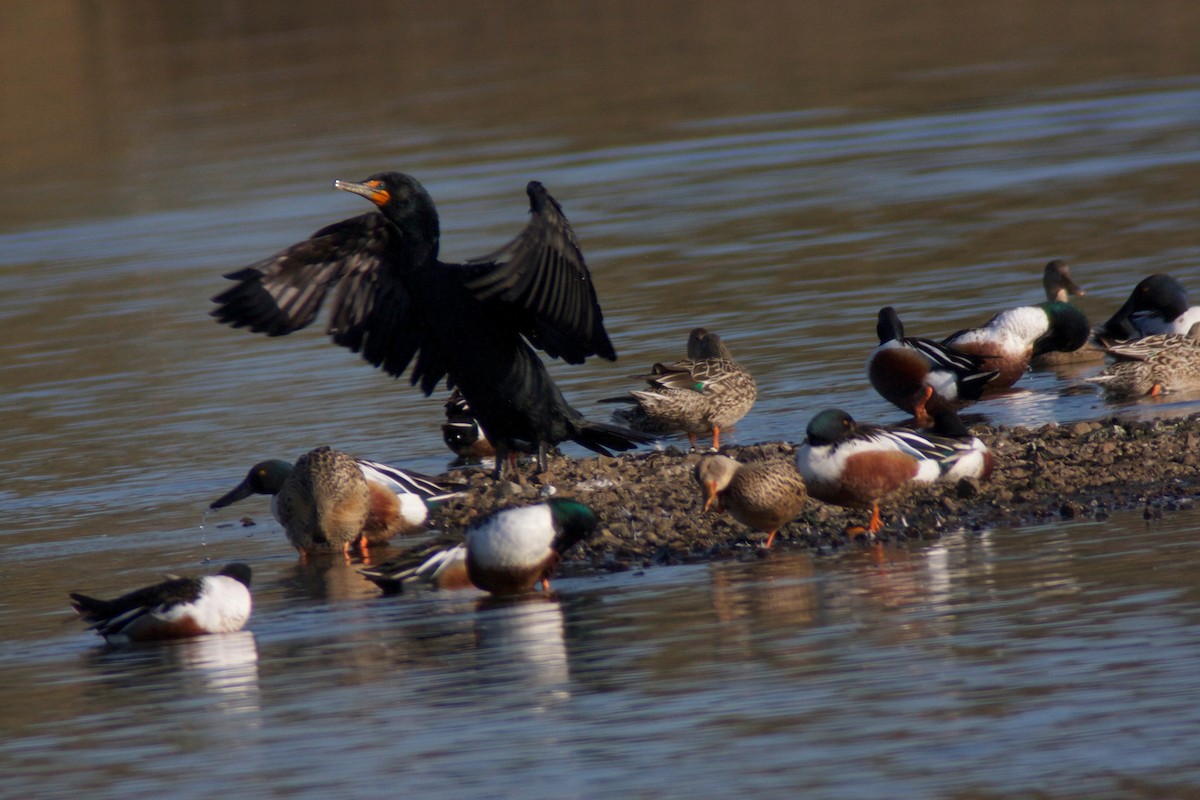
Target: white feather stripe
{"points": [[412, 509], [517, 537], [398, 480]]}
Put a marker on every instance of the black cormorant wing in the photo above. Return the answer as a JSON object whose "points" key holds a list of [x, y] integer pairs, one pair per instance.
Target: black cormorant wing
{"points": [[542, 276], [372, 313]]}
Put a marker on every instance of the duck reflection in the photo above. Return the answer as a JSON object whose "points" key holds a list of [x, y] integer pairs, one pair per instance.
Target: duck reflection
{"points": [[779, 591], [521, 650], [222, 668], [227, 667], [327, 579]]}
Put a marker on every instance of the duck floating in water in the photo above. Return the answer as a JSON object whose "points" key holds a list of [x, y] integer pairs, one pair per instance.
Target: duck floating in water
{"points": [[177, 608], [1059, 287], [507, 552], [1010, 340]]}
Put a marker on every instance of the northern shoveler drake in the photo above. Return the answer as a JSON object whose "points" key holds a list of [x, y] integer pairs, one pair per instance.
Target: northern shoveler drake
{"points": [[1157, 305], [1059, 286], [763, 495], [507, 552], [397, 304], [328, 500], [1151, 366], [847, 464], [700, 395], [461, 432], [174, 609], [921, 375], [1012, 338]]}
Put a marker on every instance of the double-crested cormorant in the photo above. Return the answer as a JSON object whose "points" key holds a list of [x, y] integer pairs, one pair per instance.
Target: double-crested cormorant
{"points": [[397, 304]]}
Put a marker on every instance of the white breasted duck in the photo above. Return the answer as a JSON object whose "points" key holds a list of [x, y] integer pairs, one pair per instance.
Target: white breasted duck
{"points": [[847, 464], [1157, 305], [1012, 338], [174, 609], [507, 552], [921, 376]]}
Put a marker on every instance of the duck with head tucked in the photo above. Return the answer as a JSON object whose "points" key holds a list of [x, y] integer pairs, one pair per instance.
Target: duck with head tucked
{"points": [[921, 376], [1151, 367], [1010, 340], [176, 608], [847, 464], [700, 395], [1157, 305], [506, 552]]}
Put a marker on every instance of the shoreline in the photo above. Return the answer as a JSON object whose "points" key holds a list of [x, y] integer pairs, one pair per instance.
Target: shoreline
{"points": [[650, 507]]}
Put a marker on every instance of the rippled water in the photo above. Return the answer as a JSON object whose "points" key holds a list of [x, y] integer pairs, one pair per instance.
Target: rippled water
{"points": [[775, 174], [1058, 660]]}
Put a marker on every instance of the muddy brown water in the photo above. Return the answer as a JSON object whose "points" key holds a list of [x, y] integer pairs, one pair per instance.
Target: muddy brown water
{"points": [[775, 174]]}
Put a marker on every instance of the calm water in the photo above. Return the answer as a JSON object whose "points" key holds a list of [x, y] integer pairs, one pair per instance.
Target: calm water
{"points": [[774, 174]]}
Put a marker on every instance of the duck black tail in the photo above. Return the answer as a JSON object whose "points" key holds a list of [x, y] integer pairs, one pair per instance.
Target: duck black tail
{"points": [[90, 608], [602, 437]]}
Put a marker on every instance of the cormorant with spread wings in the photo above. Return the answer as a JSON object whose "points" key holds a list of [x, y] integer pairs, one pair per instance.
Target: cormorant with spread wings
{"points": [[396, 304]]}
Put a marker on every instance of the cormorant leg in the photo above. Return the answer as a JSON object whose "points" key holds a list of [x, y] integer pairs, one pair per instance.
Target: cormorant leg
{"points": [[501, 461]]}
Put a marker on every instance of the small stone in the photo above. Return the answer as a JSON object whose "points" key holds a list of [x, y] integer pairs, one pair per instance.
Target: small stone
{"points": [[506, 489]]}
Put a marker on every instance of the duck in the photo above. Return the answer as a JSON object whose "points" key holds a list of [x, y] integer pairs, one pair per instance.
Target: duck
{"points": [[1150, 367], [921, 376], [1060, 287], [471, 323], [176, 608], [1010, 340], [763, 495], [509, 551], [1157, 305], [461, 432], [328, 500], [700, 395], [845, 463]]}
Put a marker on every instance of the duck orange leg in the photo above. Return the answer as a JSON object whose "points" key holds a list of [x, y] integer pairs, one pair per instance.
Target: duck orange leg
{"points": [[1156, 390], [876, 523], [717, 437], [770, 538], [920, 414]]}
